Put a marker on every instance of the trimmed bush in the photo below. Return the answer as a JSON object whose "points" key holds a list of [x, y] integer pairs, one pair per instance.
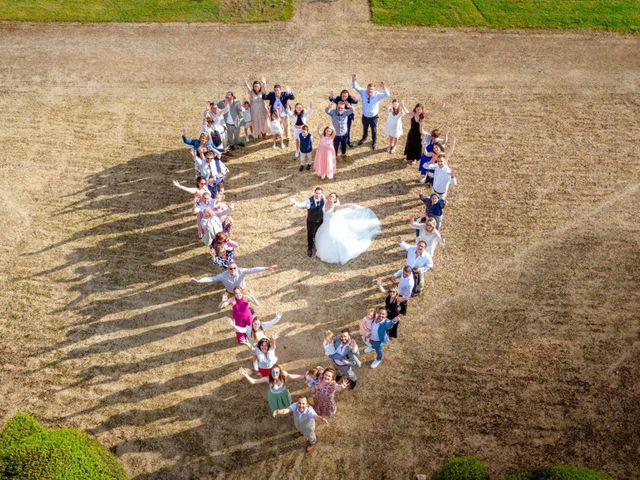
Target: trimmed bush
{"points": [[463, 468], [468, 468], [567, 472], [64, 454], [21, 426]]}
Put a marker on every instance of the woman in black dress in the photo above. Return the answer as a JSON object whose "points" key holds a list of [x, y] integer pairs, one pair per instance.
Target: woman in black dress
{"points": [[413, 147]]}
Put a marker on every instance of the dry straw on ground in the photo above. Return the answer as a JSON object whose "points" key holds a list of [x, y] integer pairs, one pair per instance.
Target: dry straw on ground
{"points": [[524, 350]]}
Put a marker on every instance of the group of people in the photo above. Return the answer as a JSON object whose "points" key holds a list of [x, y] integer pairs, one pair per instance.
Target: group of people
{"points": [[337, 232]]}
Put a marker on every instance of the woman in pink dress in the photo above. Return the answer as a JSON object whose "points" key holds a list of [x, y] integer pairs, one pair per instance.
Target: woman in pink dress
{"points": [[325, 390], [324, 163], [241, 313]]}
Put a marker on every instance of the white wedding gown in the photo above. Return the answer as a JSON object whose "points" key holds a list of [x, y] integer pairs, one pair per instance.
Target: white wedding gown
{"points": [[345, 234]]}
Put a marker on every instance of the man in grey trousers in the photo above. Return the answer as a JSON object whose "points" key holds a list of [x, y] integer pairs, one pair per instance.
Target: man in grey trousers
{"points": [[304, 419], [232, 111], [345, 357]]}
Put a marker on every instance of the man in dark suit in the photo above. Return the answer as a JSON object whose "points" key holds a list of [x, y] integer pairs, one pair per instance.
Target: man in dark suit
{"points": [[314, 205], [279, 102]]}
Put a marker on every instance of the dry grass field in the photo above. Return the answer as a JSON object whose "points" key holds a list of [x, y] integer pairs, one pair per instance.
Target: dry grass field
{"points": [[525, 350]]}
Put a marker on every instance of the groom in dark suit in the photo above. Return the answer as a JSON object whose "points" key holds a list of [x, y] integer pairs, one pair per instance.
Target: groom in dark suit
{"points": [[279, 101], [314, 205]]}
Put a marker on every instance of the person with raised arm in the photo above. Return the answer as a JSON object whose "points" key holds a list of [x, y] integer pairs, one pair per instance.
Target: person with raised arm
{"points": [[241, 313], [304, 419], [265, 353], [259, 112], [324, 161], [404, 279], [340, 120], [233, 276], [278, 395], [232, 117], [348, 100], [279, 103], [428, 233], [299, 117], [325, 392], [345, 357], [433, 144], [395, 305], [313, 205], [370, 107], [413, 145], [443, 176], [393, 127], [379, 337], [212, 224], [199, 146], [420, 261], [434, 208], [198, 194]]}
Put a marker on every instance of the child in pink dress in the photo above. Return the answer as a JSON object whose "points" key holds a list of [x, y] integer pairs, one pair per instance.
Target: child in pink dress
{"points": [[324, 163], [240, 312]]}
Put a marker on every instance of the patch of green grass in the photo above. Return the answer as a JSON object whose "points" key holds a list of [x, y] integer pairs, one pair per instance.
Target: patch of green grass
{"points": [[623, 15], [146, 10]]}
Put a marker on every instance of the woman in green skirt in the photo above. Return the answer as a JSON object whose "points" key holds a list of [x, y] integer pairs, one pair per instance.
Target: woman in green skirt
{"points": [[278, 395]]}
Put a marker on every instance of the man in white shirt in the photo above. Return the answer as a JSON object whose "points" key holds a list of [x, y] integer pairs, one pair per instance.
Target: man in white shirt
{"points": [[405, 281], [420, 261], [370, 106], [443, 176]]}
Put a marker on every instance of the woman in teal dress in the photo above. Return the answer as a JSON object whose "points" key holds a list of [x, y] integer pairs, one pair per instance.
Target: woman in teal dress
{"points": [[278, 394]]}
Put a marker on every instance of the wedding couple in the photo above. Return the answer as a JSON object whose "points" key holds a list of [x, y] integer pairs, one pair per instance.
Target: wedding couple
{"points": [[340, 232]]}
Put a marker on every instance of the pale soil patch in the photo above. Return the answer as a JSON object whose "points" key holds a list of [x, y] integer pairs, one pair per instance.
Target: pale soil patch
{"points": [[524, 351]]}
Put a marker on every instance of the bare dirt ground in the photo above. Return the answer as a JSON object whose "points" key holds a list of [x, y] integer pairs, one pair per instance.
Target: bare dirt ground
{"points": [[525, 350]]}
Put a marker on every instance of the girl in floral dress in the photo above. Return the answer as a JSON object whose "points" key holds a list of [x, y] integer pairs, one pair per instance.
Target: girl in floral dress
{"points": [[325, 390]]}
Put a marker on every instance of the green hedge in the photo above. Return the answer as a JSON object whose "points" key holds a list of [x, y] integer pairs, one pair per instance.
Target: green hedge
{"points": [[18, 428], [463, 468], [28, 451], [469, 468]]}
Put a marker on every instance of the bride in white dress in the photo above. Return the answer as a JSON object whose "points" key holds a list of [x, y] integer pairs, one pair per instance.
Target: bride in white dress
{"points": [[346, 231]]}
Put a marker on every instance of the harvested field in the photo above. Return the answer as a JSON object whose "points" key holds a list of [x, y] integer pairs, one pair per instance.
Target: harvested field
{"points": [[525, 350]]}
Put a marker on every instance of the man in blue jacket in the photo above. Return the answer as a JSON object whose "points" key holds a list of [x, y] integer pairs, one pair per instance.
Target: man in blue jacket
{"points": [[379, 328]]}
